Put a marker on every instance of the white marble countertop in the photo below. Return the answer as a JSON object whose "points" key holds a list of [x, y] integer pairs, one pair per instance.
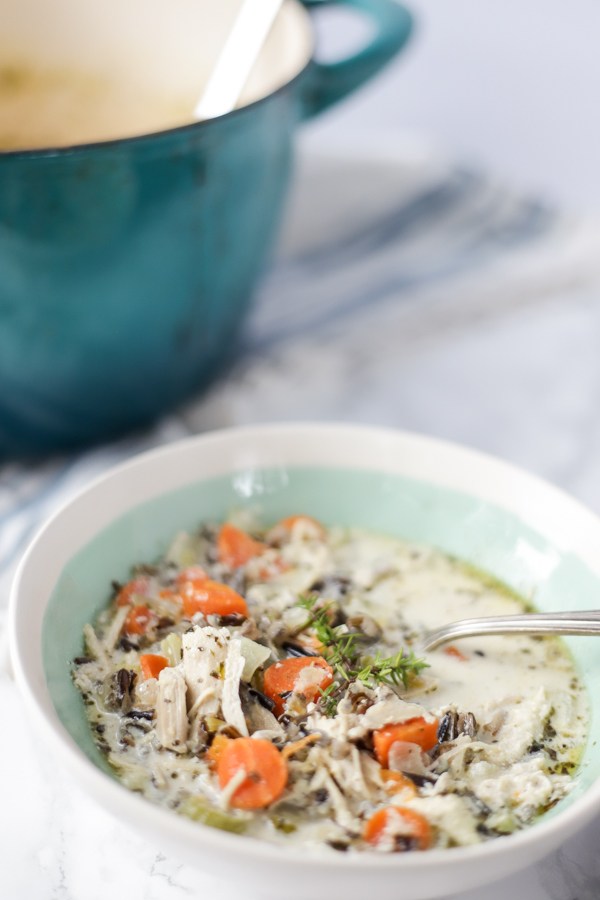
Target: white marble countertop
{"points": [[508, 83], [422, 297]]}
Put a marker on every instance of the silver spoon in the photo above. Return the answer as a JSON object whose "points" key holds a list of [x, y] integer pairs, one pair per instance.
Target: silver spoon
{"points": [[584, 622]]}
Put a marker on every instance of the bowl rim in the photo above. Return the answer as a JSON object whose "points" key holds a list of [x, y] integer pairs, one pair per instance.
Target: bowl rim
{"points": [[113, 795]]}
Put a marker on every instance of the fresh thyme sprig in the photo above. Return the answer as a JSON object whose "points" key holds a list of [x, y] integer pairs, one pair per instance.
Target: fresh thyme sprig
{"points": [[348, 661], [329, 699]]}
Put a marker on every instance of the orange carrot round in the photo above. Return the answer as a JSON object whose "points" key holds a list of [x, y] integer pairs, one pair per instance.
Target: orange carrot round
{"points": [[451, 650], [273, 568], [396, 782], [310, 642], [398, 825], [127, 592], [167, 594], [152, 664], [193, 576], [235, 547], [215, 751], [139, 620], [284, 676], [415, 731], [265, 768], [213, 598]]}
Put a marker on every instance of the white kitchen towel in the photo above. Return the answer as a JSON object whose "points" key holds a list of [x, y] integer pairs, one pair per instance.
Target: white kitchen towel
{"points": [[378, 256]]}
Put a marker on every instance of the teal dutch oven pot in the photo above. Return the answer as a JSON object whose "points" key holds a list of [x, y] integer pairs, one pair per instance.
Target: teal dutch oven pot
{"points": [[127, 266]]}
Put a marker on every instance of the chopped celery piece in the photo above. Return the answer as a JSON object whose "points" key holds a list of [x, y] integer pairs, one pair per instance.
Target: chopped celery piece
{"points": [[247, 518], [171, 647], [502, 822], [183, 550], [282, 824], [254, 656], [213, 724], [197, 809]]}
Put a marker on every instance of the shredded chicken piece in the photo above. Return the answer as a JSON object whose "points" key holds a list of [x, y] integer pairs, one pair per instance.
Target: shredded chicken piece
{"points": [[348, 773], [359, 778], [408, 758], [95, 647], [310, 677], [342, 811], [208, 694], [389, 711], [112, 635], [268, 734], [297, 746], [171, 712], [231, 787], [204, 654], [230, 701], [159, 776]]}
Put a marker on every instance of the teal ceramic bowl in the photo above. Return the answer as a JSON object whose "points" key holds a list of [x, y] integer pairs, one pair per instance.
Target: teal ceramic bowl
{"points": [[526, 532], [127, 266]]}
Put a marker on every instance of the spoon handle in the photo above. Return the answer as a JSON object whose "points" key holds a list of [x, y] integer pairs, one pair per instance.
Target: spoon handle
{"points": [[237, 58], [584, 622]]}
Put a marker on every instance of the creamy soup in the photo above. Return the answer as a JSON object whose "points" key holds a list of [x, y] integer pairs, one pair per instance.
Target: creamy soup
{"points": [[270, 683], [60, 107]]}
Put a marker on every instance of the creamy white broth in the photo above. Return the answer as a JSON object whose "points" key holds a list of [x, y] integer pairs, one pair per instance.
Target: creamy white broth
{"points": [[431, 590], [58, 107], [518, 700]]}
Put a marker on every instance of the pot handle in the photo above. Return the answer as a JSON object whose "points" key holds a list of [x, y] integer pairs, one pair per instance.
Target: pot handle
{"points": [[325, 84]]}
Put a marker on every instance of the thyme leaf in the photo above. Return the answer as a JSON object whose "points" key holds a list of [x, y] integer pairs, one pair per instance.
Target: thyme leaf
{"points": [[348, 661]]}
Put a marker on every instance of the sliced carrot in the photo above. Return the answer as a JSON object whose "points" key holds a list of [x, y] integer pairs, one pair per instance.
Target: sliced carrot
{"points": [[450, 650], [193, 574], [311, 642], [396, 782], [273, 568], [189, 581], [213, 598], [166, 594], [137, 586], [235, 547], [397, 824], [291, 749], [281, 532], [284, 676], [265, 768], [139, 620], [152, 664], [415, 731], [215, 751]]}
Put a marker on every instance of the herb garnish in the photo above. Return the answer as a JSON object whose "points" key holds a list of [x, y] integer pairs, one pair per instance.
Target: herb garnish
{"points": [[348, 661]]}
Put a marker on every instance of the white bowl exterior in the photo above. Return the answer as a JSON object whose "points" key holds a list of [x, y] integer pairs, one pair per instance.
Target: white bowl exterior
{"points": [[273, 870]]}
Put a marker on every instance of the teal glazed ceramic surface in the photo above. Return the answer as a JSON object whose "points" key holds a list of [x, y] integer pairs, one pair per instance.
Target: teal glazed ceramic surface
{"points": [[126, 267], [458, 523]]}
